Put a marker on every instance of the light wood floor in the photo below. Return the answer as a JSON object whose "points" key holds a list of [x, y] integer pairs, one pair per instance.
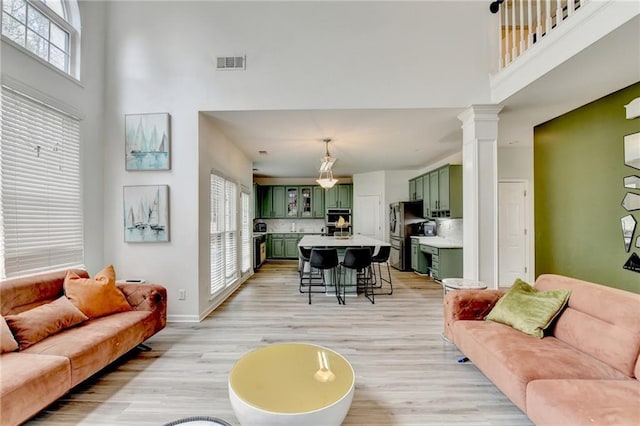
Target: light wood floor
{"points": [[405, 373]]}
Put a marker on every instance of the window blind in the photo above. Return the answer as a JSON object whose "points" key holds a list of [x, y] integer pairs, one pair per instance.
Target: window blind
{"points": [[41, 210], [246, 234], [216, 236], [231, 235]]}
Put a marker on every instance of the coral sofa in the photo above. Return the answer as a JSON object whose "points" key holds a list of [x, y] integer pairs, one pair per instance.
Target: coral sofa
{"points": [[34, 377], [583, 372]]}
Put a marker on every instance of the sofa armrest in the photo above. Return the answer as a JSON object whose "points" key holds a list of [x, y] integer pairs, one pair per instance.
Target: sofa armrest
{"points": [[467, 305], [147, 297]]}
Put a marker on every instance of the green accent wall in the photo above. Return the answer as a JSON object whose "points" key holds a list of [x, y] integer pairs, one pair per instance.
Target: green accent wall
{"points": [[578, 177]]}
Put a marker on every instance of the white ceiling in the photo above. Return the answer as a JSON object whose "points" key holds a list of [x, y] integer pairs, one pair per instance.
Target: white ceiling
{"points": [[367, 140]]}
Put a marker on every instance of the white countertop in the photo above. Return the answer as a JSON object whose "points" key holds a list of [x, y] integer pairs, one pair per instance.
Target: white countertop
{"points": [[438, 242], [354, 241]]}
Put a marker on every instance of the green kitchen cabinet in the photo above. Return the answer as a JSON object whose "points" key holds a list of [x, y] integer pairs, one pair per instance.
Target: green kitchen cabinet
{"points": [[444, 262], [418, 259], [277, 245], [449, 202], [291, 246], [339, 197], [412, 189], [317, 202], [433, 191], [426, 197], [257, 202], [274, 202], [419, 188], [305, 202], [292, 202]]}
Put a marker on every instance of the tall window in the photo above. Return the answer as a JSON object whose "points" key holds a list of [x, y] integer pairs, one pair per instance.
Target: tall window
{"points": [[42, 27], [246, 234], [223, 234], [40, 204]]}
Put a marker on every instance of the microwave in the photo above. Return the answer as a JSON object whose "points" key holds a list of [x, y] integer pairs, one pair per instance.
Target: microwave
{"points": [[260, 227]]}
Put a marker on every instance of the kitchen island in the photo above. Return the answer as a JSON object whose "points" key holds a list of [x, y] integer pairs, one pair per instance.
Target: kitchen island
{"points": [[310, 241], [341, 244]]}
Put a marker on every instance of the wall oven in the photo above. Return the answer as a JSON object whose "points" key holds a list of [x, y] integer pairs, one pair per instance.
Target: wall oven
{"points": [[333, 217]]}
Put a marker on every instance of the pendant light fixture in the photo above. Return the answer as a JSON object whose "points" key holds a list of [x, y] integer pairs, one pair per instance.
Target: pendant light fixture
{"points": [[326, 179]]}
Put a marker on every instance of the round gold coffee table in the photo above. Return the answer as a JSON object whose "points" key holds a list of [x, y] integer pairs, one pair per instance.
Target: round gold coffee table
{"points": [[291, 384]]}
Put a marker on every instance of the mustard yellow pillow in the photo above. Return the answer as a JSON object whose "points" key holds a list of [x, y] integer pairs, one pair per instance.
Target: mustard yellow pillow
{"points": [[7, 341], [97, 296], [527, 309], [34, 325]]}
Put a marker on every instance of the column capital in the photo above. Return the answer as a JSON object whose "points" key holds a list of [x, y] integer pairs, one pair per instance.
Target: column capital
{"points": [[480, 112], [480, 122]]}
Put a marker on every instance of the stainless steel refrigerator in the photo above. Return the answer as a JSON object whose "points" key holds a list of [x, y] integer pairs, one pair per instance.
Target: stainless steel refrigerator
{"points": [[404, 218]]}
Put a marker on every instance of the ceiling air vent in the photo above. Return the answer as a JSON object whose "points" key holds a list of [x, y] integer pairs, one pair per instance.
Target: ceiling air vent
{"points": [[231, 62]]}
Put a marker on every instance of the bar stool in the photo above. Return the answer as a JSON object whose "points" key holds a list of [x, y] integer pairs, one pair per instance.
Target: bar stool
{"points": [[304, 256], [382, 256], [358, 259], [324, 259]]}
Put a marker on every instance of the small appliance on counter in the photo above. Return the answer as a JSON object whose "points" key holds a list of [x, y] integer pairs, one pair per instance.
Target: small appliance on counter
{"points": [[428, 229], [260, 227]]}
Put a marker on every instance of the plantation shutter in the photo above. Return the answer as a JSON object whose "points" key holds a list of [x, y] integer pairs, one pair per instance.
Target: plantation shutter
{"points": [[246, 234], [41, 209]]}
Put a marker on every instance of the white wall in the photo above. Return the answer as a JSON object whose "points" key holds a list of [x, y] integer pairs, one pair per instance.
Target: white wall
{"points": [[217, 153], [84, 99], [300, 55]]}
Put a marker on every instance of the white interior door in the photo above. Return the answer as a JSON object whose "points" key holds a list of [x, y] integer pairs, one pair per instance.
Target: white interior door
{"points": [[367, 216], [512, 232]]}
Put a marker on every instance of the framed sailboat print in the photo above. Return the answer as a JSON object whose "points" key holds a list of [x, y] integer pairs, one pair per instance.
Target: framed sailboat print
{"points": [[147, 141], [146, 213]]}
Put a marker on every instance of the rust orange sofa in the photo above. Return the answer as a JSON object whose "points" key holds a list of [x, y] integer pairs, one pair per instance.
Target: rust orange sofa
{"points": [[583, 372], [33, 378]]}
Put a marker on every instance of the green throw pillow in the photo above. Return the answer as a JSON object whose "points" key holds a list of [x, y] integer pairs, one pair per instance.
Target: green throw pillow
{"points": [[527, 309]]}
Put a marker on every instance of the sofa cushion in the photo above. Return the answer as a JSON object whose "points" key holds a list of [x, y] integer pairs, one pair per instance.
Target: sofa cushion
{"points": [[599, 320], [21, 294], [96, 343], [97, 296], [527, 309], [7, 341], [29, 383], [584, 402], [512, 359], [33, 325]]}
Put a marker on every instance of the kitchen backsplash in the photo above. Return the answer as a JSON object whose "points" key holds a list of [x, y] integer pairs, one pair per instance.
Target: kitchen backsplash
{"points": [[450, 229], [301, 225]]}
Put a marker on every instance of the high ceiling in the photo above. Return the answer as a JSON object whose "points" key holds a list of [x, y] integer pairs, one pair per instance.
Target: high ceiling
{"points": [[367, 140]]}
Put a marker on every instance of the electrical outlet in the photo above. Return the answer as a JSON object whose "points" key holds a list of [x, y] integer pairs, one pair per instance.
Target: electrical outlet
{"points": [[182, 294]]}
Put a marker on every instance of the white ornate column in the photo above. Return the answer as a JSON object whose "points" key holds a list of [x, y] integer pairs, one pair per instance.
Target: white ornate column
{"points": [[480, 193]]}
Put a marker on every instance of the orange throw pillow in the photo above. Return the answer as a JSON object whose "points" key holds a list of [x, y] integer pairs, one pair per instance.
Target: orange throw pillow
{"points": [[34, 325], [97, 296]]}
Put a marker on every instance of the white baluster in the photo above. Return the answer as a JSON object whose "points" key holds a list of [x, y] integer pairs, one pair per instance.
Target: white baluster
{"points": [[522, 29], [507, 44], [547, 28], [514, 46], [571, 7], [538, 20], [558, 12], [529, 25], [501, 59]]}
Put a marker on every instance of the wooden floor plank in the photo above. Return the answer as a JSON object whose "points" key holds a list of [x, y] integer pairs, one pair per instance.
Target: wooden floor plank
{"points": [[406, 374]]}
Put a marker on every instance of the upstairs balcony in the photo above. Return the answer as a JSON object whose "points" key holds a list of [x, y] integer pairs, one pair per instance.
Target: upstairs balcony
{"points": [[537, 36]]}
